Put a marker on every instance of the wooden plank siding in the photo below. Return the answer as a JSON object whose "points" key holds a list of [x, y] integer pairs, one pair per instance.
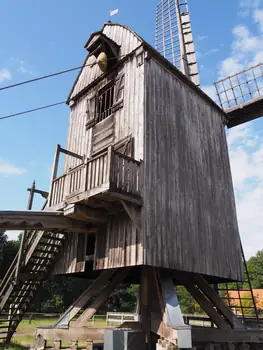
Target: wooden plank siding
{"points": [[119, 244], [68, 259], [120, 34], [124, 122], [189, 217]]}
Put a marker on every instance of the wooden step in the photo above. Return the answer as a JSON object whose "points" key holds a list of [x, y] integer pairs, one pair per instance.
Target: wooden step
{"points": [[50, 236], [41, 257], [44, 251], [49, 244]]}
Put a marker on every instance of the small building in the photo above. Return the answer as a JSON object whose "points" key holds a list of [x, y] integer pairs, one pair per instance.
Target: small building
{"points": [[145, 196], [147, 153], [239, 299]]}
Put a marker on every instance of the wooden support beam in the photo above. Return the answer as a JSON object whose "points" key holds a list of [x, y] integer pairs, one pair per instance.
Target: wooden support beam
{"points": [[118, 277], [74, 345], [83, 213], [84, 298], [158, 326], [71, 154], [56, 345], [217, 302], [145, 302], [24, 234], [207, 307], [80, 334], [134, 214], [213, 335], [44, 194], [54, 173], [42, 220]]}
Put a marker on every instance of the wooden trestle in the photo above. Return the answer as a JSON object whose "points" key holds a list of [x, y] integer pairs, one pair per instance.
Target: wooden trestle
{"points": [[159, 314]]}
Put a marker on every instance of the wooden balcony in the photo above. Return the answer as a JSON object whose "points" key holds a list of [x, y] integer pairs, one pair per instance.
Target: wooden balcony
{"points": [[110, 174]]}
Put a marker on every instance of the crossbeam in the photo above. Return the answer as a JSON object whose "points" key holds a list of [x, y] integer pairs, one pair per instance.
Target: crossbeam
{"points": [[245, 112], [41, 220]]}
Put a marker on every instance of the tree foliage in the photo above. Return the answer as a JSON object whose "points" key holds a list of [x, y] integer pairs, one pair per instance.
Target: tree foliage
{"points": [[60, 292], [255, 268], [8, 250], [188, 304]]}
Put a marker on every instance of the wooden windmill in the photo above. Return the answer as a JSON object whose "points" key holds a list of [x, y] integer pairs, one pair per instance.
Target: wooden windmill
{"points": [[145, 196]]}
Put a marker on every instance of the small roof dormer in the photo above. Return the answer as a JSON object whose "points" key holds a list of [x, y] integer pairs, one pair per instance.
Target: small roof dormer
{"points": [[104, 49]]}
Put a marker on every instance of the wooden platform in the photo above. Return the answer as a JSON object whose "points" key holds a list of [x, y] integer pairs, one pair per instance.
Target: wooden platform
{"points": [[109, 176], [40, 220], [245, 112]]}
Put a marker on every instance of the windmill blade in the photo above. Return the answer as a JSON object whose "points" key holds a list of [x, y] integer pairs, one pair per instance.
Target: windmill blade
{"points": [[241, 95], [174, 38]]}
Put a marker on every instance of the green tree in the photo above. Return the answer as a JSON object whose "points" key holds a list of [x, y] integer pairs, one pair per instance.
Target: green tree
{"points": [[188, 304], [123, 299], [247, 304], [255, 269], [3, 241], [8, 250]]}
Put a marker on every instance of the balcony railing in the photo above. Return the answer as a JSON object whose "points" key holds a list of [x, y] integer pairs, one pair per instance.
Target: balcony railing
{"points": [[110, 171]]}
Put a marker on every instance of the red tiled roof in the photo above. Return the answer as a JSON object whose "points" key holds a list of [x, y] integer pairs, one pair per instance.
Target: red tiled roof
{"points": [[258, 294]]}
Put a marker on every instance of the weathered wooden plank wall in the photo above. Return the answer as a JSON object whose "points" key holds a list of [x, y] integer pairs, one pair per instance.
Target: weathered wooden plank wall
{"points": [[119, 244], [189, 217], [127, 121], [72, 255], [122, 36]]}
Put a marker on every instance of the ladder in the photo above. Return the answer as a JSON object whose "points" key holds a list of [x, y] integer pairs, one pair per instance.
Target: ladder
{"points": [[17, 294], [239, 296], [36, 256]]}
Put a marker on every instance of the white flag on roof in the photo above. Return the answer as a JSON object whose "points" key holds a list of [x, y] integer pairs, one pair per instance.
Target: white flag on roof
{"points": [[114, 12]]}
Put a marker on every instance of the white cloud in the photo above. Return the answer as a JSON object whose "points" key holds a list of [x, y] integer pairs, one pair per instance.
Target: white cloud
{"points": [[22, 66], [13, 235], [246, 6], [229, 66], [210, 91], [5, 75], [258, 18], [250, 4], [247, 46], [201, 37], [246, 158], [212, 51], [7, 168]]}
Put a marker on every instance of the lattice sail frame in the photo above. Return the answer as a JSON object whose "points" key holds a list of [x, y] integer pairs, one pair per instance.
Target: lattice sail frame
{"points": [[241, 87], [173, 37]]}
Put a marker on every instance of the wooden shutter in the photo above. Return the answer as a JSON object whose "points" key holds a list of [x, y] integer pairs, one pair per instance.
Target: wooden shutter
{"points": [[91, 110], [119, 92], [124, 147]]}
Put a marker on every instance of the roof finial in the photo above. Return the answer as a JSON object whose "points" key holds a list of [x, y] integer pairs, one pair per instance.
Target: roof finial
{"points": [[112, 13]]}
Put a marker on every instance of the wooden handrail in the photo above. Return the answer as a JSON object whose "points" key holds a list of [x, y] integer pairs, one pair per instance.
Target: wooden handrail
{"points": [[71, 154], [77, 167], [97, 156], [124, 156], [60, 177]]}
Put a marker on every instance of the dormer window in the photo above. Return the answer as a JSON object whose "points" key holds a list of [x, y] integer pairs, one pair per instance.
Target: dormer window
{"points": [[105, 102], [104, 49]]}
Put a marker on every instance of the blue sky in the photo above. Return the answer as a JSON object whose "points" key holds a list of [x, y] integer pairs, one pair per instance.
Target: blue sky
{"points": [[41, 37]]}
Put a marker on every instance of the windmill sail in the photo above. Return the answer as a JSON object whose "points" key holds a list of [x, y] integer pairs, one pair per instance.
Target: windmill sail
{"points": [[173, 37]]}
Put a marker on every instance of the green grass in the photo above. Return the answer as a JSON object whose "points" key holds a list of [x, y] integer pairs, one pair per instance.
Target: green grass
{"points": [[13, 346], [24, 337]]}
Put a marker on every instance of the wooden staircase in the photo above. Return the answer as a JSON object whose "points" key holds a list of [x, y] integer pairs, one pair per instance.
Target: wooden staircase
{"points": [[17, 290]]}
